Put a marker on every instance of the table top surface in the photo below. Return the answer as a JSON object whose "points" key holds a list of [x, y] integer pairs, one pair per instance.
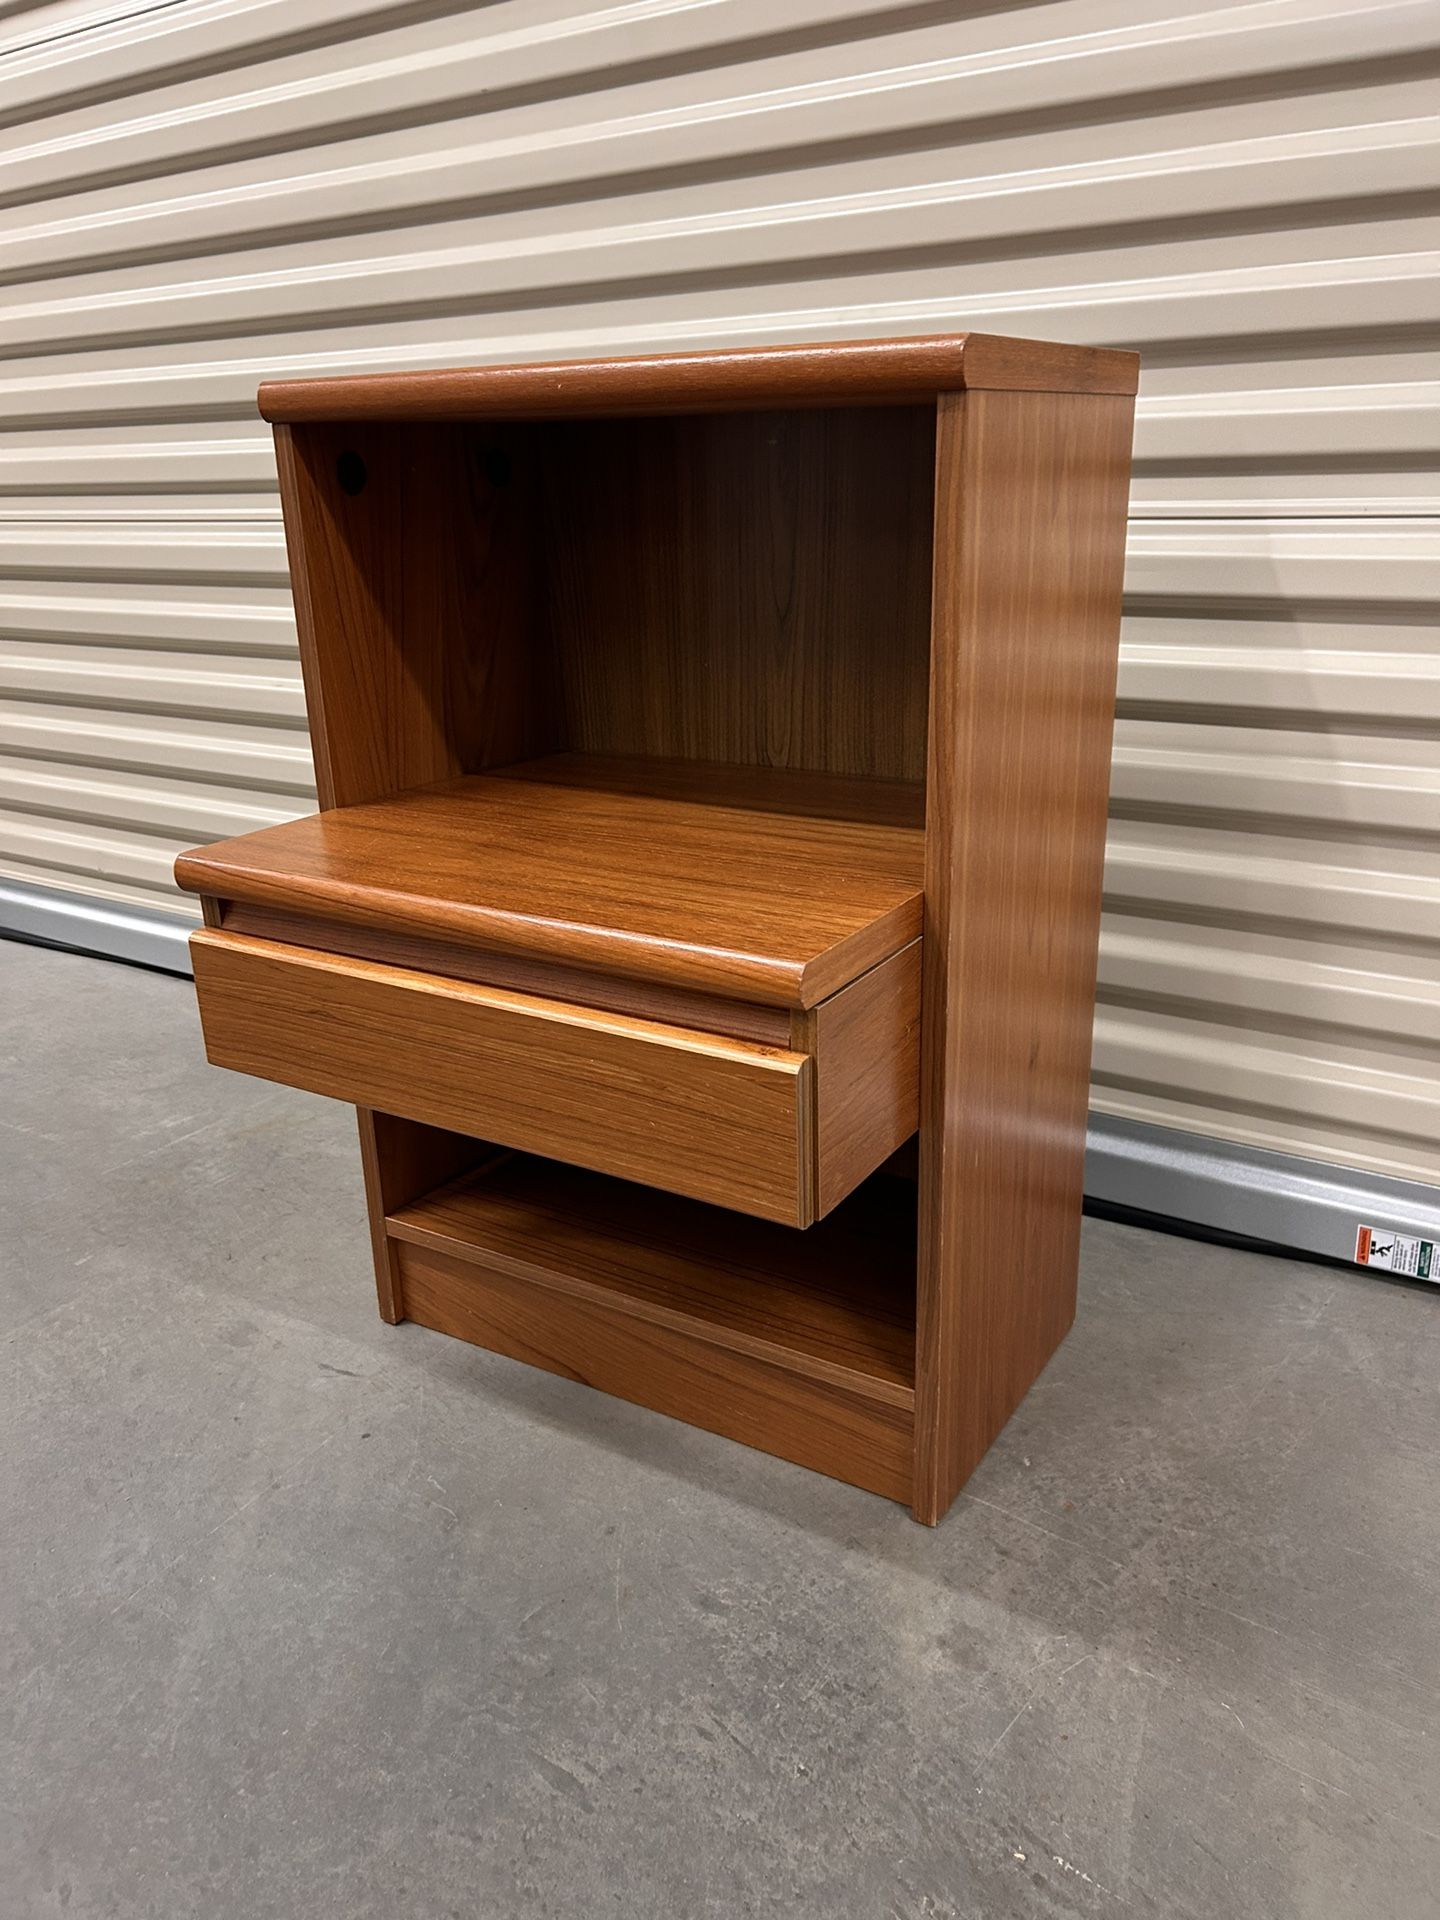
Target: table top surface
{"points": [[770, 885]]}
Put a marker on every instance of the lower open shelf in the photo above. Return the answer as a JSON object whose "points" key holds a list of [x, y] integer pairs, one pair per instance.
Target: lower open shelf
{"points": [[799, 1343]]}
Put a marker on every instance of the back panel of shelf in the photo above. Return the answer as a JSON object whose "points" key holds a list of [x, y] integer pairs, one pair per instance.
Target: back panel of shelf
{"points": [[746, 588], [749, 588]]}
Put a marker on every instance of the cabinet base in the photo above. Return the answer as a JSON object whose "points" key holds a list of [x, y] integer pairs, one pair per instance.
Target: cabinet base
{"points": [[800, 1344]]}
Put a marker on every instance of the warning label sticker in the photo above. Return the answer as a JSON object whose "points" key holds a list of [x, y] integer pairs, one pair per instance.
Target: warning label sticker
{"points": [[1396, 1252]]}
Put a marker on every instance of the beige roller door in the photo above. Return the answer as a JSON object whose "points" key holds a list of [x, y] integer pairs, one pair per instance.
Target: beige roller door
{"points": [[193, 196]]}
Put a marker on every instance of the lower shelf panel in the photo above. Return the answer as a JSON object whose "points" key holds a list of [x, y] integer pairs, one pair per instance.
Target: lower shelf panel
{"points": [[799, 1344]]}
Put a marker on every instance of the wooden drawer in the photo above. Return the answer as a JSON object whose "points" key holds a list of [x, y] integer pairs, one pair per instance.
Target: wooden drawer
{"points": [[720, 1119]]}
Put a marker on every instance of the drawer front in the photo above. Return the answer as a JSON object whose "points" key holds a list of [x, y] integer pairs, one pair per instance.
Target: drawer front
{"points": [[718, 1119]]}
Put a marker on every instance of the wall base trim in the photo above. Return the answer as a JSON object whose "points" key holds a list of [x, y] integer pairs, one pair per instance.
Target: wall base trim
{"points": [[1312, 1206], [146, 935]]}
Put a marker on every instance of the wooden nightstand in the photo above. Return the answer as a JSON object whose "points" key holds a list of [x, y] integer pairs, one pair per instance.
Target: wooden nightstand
{"points": [[713, 754]]}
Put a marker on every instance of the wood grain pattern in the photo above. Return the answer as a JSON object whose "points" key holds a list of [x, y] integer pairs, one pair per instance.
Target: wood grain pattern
{"points": [[672, 1006], [400, 1161], [745, 588], [858, 1440], [865, 1039], [723, 1120], [805, 793], [866, 1044], [799, 1344], [416, 606], [822, 374], [414, 572], [836, 1302], [1029, 551], [778, 908]]}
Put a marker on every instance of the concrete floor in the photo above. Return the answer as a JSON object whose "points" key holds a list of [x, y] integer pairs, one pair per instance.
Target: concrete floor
{"points": [[304, 1616]]}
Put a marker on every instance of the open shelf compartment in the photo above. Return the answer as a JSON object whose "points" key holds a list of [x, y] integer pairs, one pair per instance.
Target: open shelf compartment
{"points": [[800, 1344]]}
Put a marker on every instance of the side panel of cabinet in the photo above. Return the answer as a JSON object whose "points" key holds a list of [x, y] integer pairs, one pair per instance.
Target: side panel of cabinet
{"points": [[1031, 494], [403, 1159], [424, 656], [421, 631]]}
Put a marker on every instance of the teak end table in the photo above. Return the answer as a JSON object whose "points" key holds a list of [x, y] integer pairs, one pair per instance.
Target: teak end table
{"points": [[713, 753]]}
